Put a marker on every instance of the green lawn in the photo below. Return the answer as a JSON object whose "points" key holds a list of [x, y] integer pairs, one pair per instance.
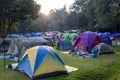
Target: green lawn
{"points": [[105, 67]]}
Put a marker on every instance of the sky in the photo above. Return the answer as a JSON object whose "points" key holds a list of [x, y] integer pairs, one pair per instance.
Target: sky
{"points": [[47, 5]]}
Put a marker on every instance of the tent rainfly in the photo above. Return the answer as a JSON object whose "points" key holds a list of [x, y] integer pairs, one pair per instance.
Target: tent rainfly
{"points": [[40, 62]]}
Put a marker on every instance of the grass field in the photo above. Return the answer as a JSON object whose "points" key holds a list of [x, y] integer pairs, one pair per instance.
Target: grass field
{"points": [[105, 67]]}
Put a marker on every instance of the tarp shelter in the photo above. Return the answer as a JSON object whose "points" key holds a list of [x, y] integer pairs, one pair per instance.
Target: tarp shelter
{"points": [[41, 61], [86, 40], [4, 46], [10, 37], [14, 36], [103, 48], [64, 45], [115, 35], [1, 40], [73, 36], [19, 46], [105, 38]]}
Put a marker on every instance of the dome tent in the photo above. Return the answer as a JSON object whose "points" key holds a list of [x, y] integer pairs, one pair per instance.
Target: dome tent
{"points": [[103, 48], [86, 40], [73, 36], [66, 36], [64, 45], [105, 37], [41, 61]]}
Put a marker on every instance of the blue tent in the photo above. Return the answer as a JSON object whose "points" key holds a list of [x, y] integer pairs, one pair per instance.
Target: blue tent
{"points": [[64, 44], [41, 61], [35, 34], [115, 35], [105, 37]]}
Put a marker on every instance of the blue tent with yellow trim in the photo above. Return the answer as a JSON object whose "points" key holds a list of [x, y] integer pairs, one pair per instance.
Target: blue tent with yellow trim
{"points": [[41, 61]]}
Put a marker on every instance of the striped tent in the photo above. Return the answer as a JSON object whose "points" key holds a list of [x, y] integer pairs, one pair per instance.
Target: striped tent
{"points": [[41, 61]]}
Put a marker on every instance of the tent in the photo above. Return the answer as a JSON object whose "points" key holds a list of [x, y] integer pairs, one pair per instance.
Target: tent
{"points": [[86, 40], [36, 34], [115, 34], [4, 46], [64, 45], [103, 48], [48, 34], [66, 36], [1, 40], [73, 36], [59, 35], [105, 38], [14, 36], [40, 62]]}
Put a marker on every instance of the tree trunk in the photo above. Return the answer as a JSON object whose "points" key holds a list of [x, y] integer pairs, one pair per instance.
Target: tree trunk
{"points": [[118, 27]]}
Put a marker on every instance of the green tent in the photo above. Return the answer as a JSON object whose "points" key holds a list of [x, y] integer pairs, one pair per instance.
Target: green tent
{"points": [[66, 36], [73, 36]]}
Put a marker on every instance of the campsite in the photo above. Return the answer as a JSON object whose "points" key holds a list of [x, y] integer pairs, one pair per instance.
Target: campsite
{"points": [[23, 60], [105, 67], [59, 39]]}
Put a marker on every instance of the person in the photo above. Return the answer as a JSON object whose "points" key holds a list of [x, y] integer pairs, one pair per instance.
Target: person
{"points": [[94, 51], [69, 52], [77, 50]]}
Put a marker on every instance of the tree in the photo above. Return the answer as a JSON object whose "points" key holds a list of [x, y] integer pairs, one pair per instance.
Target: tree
{"points": [[15, 11], [40, 24], [57, 19], [98, 14]]}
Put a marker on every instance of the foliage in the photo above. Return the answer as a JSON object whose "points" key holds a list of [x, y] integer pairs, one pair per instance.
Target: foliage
{"points": [[57, 19], [40, 24], [100, 14], [97, 15], [13, 11]]}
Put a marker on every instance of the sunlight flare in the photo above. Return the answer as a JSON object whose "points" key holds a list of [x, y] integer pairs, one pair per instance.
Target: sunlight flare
{"points": [[47, 5]]}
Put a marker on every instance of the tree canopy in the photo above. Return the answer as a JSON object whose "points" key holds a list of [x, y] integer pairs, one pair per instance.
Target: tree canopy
{"points": [[15, 11], [96, 15]]}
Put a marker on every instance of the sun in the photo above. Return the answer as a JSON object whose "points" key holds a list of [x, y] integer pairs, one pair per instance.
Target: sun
{"points": [[46, 12], [47, 5]]}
